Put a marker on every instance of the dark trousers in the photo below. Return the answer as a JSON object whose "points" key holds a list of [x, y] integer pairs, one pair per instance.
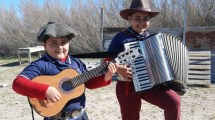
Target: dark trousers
{"points": [[130, 103]]}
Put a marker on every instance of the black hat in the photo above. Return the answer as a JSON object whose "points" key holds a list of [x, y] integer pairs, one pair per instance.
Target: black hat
{"points": [[53, 29], [138, 6]]}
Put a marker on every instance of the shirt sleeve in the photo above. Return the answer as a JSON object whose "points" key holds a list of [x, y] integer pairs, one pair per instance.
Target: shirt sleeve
{"points": [[97, 82], [29, 88], [116, 43], [31, 71]]}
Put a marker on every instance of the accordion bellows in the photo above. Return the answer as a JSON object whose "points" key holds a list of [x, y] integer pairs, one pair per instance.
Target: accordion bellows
{"points": [[163, 62]]}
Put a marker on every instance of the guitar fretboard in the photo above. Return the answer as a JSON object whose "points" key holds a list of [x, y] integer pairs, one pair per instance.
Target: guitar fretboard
{"points": [[80, 79], [122, 58]]}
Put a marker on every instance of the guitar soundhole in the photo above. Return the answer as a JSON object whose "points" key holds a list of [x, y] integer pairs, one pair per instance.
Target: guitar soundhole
{"points": [[66, 85]]}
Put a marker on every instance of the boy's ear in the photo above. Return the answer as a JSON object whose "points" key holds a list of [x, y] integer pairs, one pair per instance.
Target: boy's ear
{"points": [[44, 44]]}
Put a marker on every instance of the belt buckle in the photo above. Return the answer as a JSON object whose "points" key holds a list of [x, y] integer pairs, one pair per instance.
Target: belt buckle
{"points": [[76, 113]]}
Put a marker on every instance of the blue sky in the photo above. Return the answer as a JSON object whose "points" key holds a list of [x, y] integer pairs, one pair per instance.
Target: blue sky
{"points": [[8, 3], [14, 3]]}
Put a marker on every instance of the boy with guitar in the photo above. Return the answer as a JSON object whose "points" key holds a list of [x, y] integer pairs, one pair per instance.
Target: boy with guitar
{"points": [[52, 84]]}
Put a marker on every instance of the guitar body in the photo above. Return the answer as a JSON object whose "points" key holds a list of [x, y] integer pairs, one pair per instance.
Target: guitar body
{"points": [[48, 109]]}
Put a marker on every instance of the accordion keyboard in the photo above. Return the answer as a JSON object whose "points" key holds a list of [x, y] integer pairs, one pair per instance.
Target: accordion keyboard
{"points": [[139, 72]]}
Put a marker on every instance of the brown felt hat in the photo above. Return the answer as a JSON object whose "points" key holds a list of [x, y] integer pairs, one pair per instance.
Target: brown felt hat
{"points": [[138, 6], [54, 29]]}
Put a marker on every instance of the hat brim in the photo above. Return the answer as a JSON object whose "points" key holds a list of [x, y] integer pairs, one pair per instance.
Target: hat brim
{"points": [[125, 13]]}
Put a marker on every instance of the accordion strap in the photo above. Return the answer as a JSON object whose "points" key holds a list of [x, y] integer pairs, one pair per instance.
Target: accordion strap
{"points": [[112, 54]]}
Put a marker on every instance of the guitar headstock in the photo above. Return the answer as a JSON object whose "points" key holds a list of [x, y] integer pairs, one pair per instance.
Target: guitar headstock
{"points": [[127, 56]]}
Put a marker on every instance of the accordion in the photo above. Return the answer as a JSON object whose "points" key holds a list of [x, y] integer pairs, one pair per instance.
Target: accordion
{"points": [[163, 62]]}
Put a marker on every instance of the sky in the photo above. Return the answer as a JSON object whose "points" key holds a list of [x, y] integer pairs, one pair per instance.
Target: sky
{"points": [[15, 4], [8, 3]]}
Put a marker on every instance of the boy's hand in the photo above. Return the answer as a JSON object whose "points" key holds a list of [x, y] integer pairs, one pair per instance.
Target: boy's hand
{"points": [[124, 72], [52, 94], [112, 68]]}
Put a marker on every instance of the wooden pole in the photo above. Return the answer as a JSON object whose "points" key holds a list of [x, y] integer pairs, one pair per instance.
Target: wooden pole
{"points": [[101, 31], [185, 21]]}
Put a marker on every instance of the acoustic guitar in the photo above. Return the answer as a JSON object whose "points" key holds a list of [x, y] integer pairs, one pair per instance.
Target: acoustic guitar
{"points": [[70, 84]]}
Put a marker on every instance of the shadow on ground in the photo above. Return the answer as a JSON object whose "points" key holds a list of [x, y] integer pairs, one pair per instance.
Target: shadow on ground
{"points": [[13, 64], [199, 85]]}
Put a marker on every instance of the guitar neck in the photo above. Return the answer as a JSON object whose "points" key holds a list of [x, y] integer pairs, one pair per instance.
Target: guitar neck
{"points": [[82, 78], [122, 58]]}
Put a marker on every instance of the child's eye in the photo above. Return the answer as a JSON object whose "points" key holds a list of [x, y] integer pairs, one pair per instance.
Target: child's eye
{"points": [[137, 19], [63, 43], [53, 44]]}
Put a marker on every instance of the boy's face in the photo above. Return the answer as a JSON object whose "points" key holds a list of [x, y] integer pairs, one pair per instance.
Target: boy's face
{"points": [[57, 48], [139, 21]]}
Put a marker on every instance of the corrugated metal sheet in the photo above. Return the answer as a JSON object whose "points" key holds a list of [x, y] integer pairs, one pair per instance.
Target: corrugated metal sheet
{"points": [[213, 66], [199, 67]]}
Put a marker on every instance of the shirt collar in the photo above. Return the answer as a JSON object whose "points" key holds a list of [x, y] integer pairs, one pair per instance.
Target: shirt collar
{"points": [[53, 60], [130, 30]]}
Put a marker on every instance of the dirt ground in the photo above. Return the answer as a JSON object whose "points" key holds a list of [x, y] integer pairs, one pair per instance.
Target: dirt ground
{"points": [[197, 104]]}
